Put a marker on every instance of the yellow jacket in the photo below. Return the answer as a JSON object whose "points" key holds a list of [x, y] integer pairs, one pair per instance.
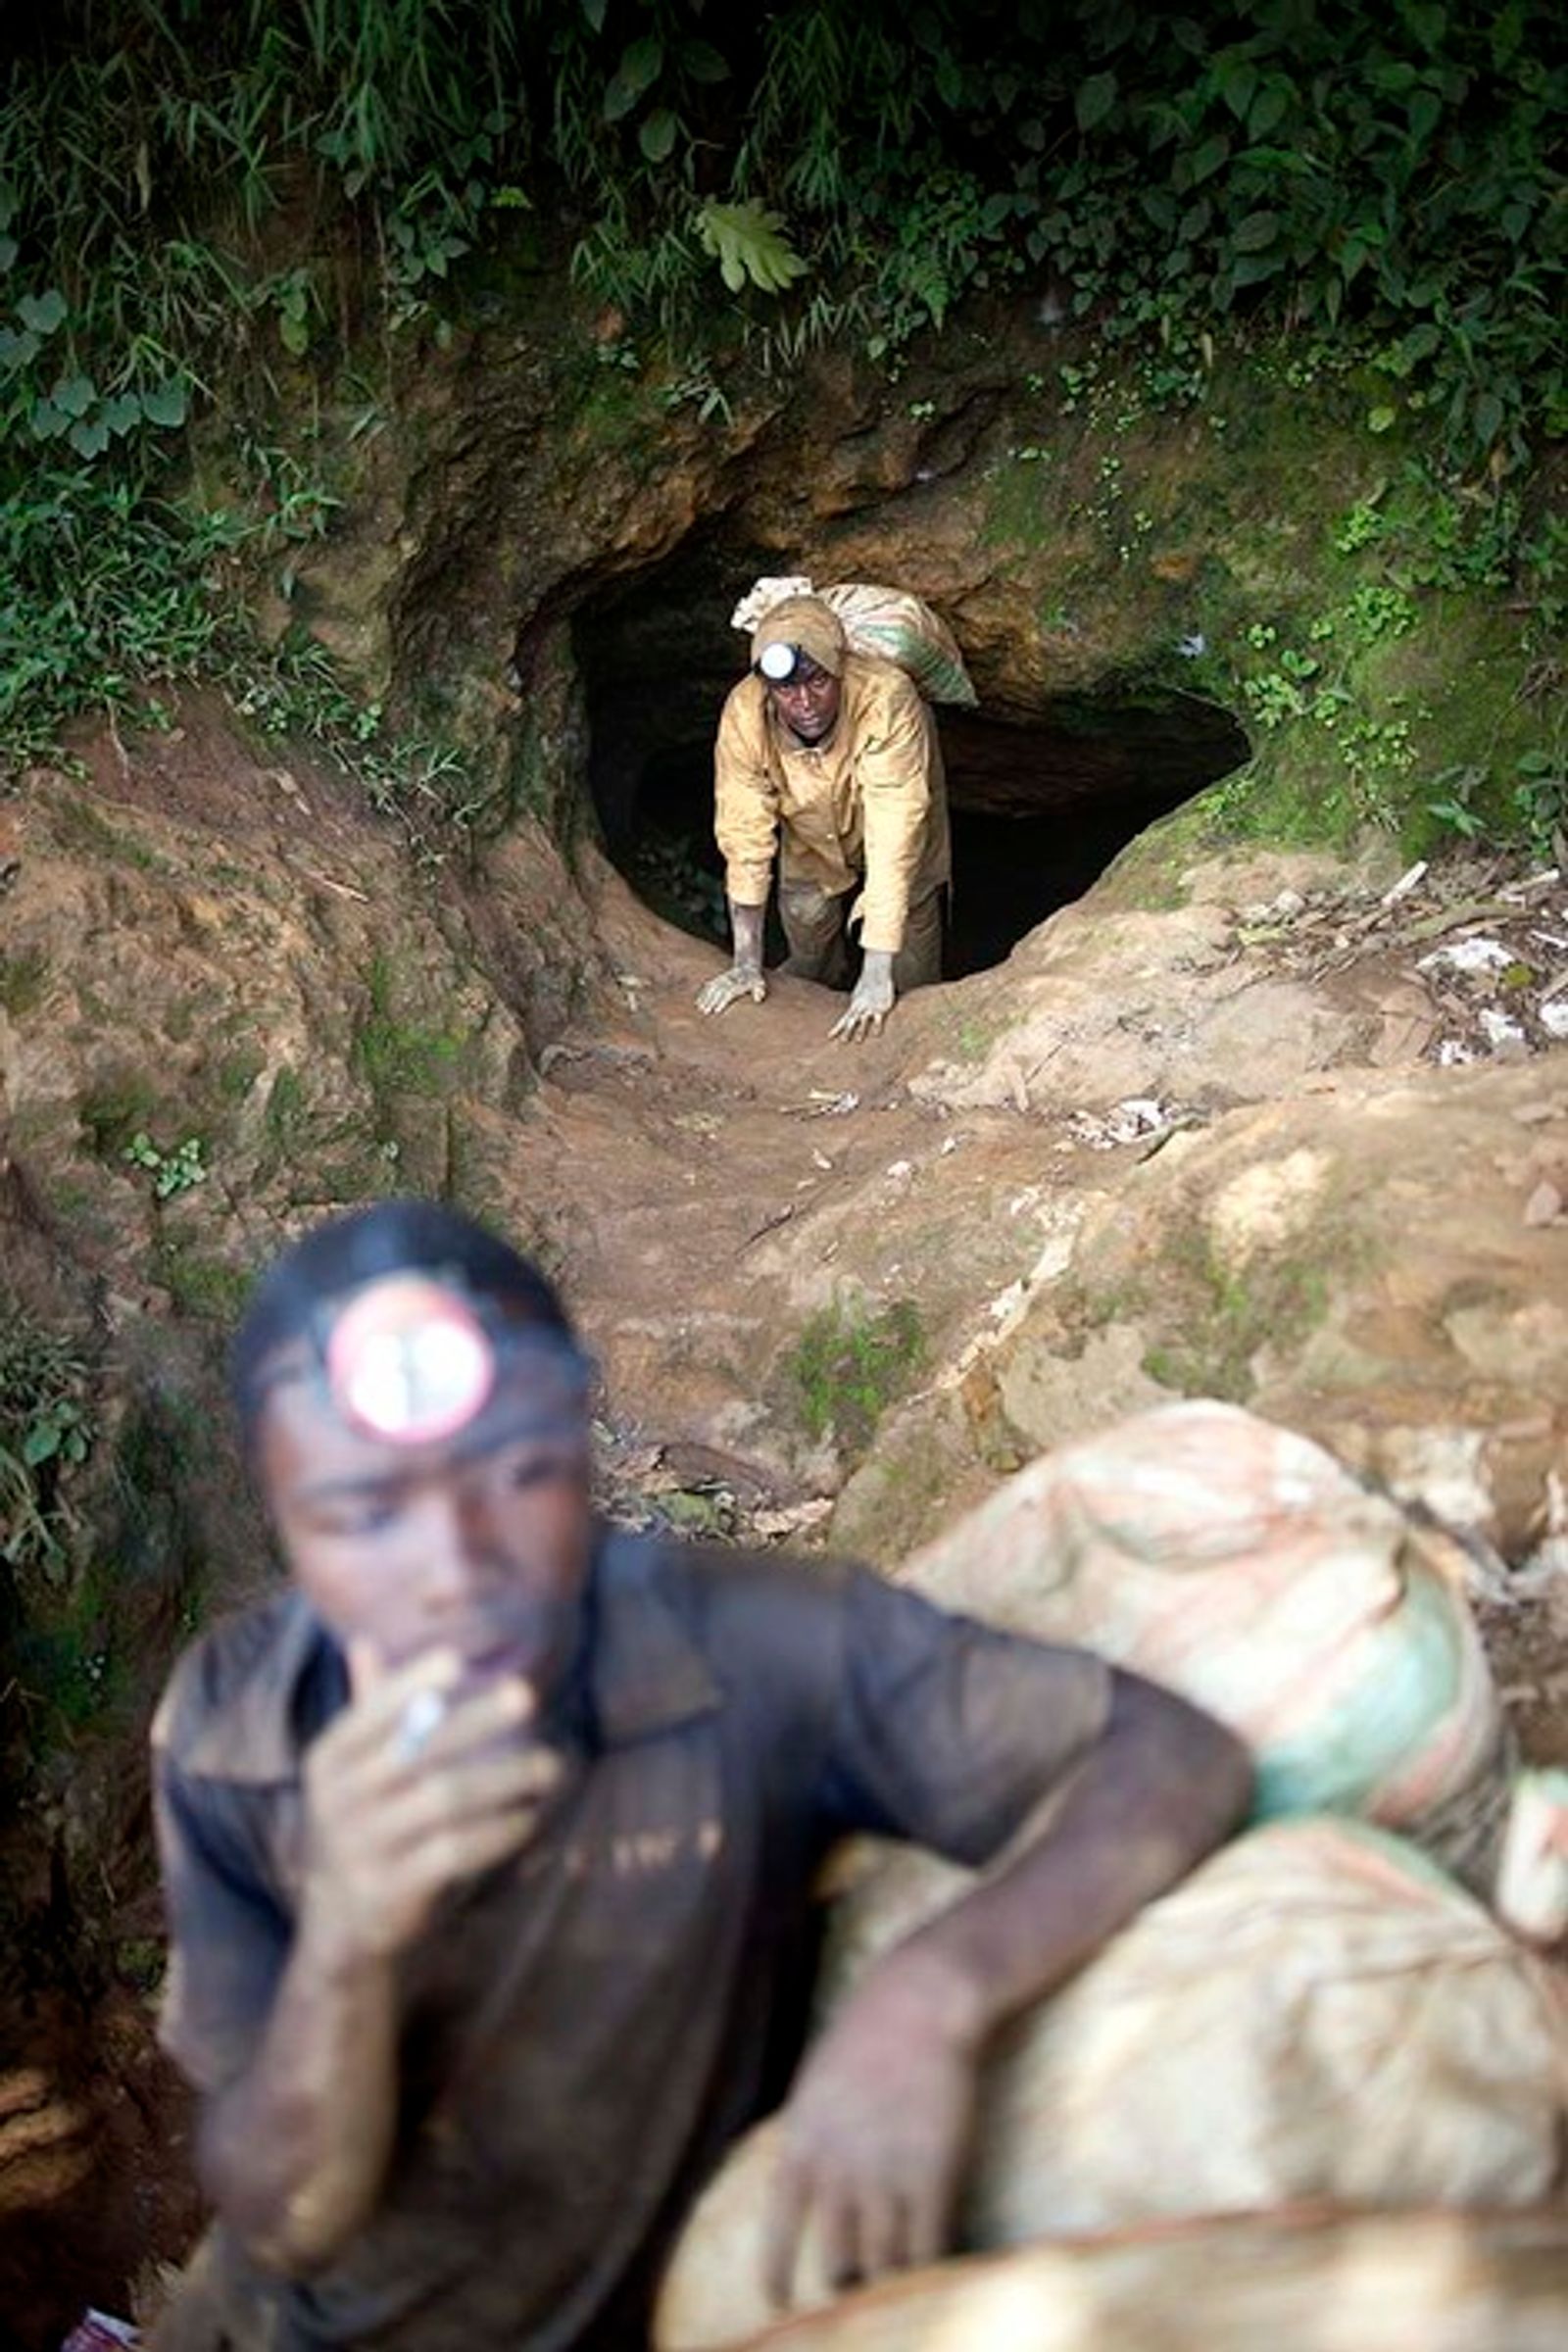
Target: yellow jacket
{"points": [[869, 807]]}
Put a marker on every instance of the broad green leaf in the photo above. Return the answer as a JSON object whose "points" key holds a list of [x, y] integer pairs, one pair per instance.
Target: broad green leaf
{"points": [[641, 63], [165, 403], [121, 412], [1269, 108], [1194, 221], [43, 312], [16, 350], [1251, 269], [89, 435], [1209, 157], [747, 241], [1096, 98], [1379, 419], [1255, 232], [1488, 419], [702, 61], [74, 394], [1425, 110], [294, 333], [950, 81], [619, 99], [594, 11], [40, 1443], [1238, 86], [656, 135], [46, 422]]}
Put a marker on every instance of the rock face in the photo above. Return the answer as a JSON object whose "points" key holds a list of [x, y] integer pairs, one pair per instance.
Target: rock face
{"points": [[1369, 1254], [551, 538]]}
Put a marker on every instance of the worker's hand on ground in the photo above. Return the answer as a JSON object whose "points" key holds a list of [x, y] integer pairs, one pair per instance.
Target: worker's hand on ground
{"points": [[413, 1788], [871, 1002], [874, 2135], [741, 980]]}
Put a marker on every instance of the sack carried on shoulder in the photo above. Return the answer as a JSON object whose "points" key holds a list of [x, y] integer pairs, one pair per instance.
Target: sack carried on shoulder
{"points": [[887, 622]]}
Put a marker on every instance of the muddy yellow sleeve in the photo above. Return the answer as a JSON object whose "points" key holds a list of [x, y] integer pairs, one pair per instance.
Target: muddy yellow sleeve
{"points": [[745, 798], [893, 773]]}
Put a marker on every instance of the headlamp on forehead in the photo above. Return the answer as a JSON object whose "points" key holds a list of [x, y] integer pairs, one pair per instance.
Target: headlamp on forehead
{"points": [[778, 662], [412, 1358]]}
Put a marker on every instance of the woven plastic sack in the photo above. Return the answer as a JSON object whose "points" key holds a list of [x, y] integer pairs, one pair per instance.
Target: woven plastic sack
{"points": [[1241, 1566], [887, 622], [1318, 2283], [1316, 2013]]}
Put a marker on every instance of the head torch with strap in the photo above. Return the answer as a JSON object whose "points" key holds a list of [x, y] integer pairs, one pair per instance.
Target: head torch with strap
{"points": [[413, 1358]]}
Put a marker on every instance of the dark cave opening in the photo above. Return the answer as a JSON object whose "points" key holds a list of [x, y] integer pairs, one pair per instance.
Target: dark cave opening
{"points": [[1041, 802]]}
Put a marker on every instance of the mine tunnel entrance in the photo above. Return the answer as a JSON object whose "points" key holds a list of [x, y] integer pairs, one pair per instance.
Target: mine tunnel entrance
{"points": [[1041, 802]]}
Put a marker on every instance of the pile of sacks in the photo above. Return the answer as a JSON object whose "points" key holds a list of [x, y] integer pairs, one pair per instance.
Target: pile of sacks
{"points": [[1331, 2008]]}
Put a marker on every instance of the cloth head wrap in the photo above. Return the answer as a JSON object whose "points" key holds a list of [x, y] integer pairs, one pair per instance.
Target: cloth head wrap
{"points": [[801, 625]]}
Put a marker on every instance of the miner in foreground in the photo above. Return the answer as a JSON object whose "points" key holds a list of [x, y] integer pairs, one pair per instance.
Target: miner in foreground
{"points": [[489, 1843]]}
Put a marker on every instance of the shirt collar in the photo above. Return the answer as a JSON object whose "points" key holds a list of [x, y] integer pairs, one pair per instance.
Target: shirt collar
{"points": [[647, 1673]]}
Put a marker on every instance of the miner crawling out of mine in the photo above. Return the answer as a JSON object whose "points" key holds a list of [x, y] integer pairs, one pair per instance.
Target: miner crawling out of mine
{"points": [[490, 1837], [829, 760]]}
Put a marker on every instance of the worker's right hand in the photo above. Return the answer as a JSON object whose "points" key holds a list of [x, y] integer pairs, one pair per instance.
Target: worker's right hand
{"points": [[413, 1788], [741, 980]]}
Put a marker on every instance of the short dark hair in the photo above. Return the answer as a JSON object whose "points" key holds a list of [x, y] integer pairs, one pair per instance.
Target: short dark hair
{"points": [[390, 1237]]}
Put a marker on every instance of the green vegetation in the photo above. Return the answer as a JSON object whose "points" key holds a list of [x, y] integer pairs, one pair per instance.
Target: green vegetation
{"points": [[23, 977], [286, 201], [396, 1056], [850, 1362], [1268, 1305], [205, 1287], [114, 1111], [1363, 616], [173, 1172], [46, 1430]]}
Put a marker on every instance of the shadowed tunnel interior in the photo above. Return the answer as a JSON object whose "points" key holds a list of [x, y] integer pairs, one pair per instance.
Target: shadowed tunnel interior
{"points": [[1040, 803]]}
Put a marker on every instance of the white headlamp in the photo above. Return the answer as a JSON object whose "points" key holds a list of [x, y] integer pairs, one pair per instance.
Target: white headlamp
{"points": [[778, 662], [409, 1361]]}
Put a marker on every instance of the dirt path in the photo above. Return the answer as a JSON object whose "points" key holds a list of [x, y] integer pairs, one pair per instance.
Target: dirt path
{"points": [[707, 1183]]}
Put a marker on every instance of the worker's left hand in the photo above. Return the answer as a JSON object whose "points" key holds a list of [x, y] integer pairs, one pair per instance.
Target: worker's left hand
{"points": [[872, 1001], [875, 2133]]}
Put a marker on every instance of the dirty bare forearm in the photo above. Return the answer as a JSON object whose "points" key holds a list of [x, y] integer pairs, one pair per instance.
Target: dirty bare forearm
{"points": [[294, 2153], [745, 931], [1163, 1787]]}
